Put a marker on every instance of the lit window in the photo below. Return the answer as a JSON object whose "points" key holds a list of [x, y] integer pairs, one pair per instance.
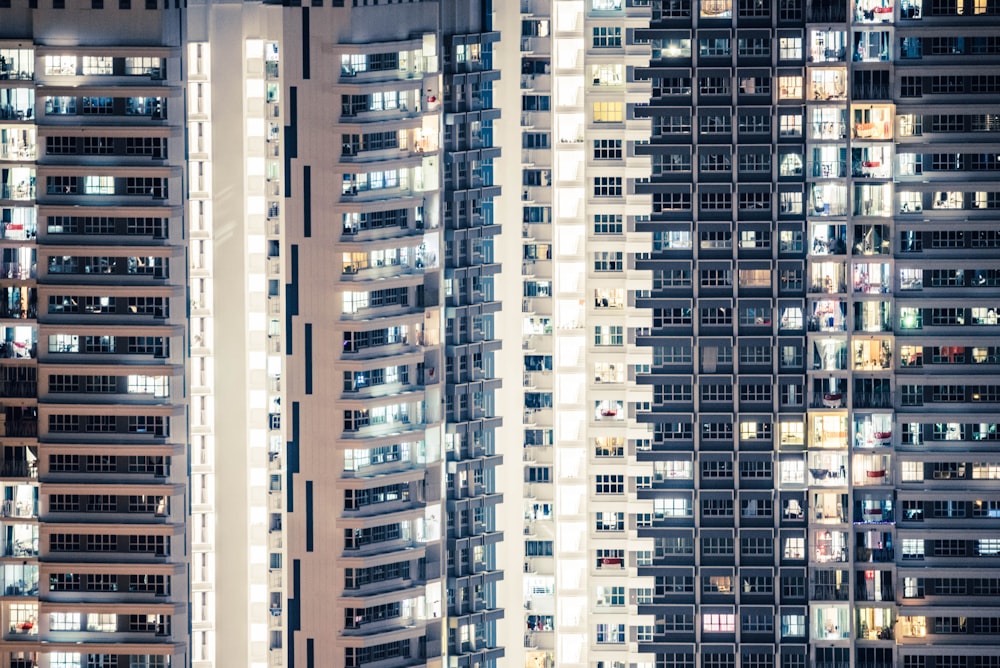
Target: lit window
{"points": [[719, 623], [98, 65], [99, 185], [790, 88], [64, 621], [606, 74], [790, 48], [60, 65], [609, 112]]}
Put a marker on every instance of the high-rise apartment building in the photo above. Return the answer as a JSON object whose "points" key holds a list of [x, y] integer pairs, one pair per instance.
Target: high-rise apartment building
{"points": [[267, 266], [582, 313], [817, 327], [349, 216], [94, 335]]}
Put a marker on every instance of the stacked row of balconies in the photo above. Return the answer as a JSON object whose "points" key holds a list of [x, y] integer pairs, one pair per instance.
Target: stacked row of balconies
{"points": [[471, 272], [537, 274], [389, 260]]}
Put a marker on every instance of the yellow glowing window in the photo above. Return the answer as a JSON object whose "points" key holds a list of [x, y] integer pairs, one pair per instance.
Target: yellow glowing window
{"points": [[609, 112]]}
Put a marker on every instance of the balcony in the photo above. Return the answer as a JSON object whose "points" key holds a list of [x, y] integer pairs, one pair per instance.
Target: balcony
{"points": [[20, 422], [18, 343], [828, 84], [873, 11], [874, 512], [19, 468], [872, 399], [827, 169], [827, 46], [17, 104], [826, 199], [829, 315], [828, 471], [827, 400], [830, 592], [18, 146], [830, 547], [872, 317], [883, 555], [826, 127], [830, 508], [870, 473], [873, 431], [20, 580]]}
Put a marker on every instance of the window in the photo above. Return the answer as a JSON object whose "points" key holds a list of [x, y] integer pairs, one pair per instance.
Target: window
{"points": [[663, 355], [715, 162], [755, 392], [717, 507], [716, 546], [606, 74], [756, 546], [98, 65], [755, 85], [717, 584], [714, 85], [756, 623], [671, 278], [607, 223], [911, 86], [913, 548], [60, 65], [143, 66], [608, 112], [674, 584], [65, 659], [716, 278], [713, 201], [607, 37], [790, 125], [713, 46], [790, 48], [753, 9], [607, 186], [717, 392], [609, 484], [795, 547], [755, 469], [609, 335], [534, 103], [610, 634], [718, 623], [755, 200], [99, 185], [60, 145], [671, 125], [610, 521], [671, 201], [671, 86], [712, 123], [790, 88], [98, 105], [64, 621], [607, 149], [155, 147]]}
